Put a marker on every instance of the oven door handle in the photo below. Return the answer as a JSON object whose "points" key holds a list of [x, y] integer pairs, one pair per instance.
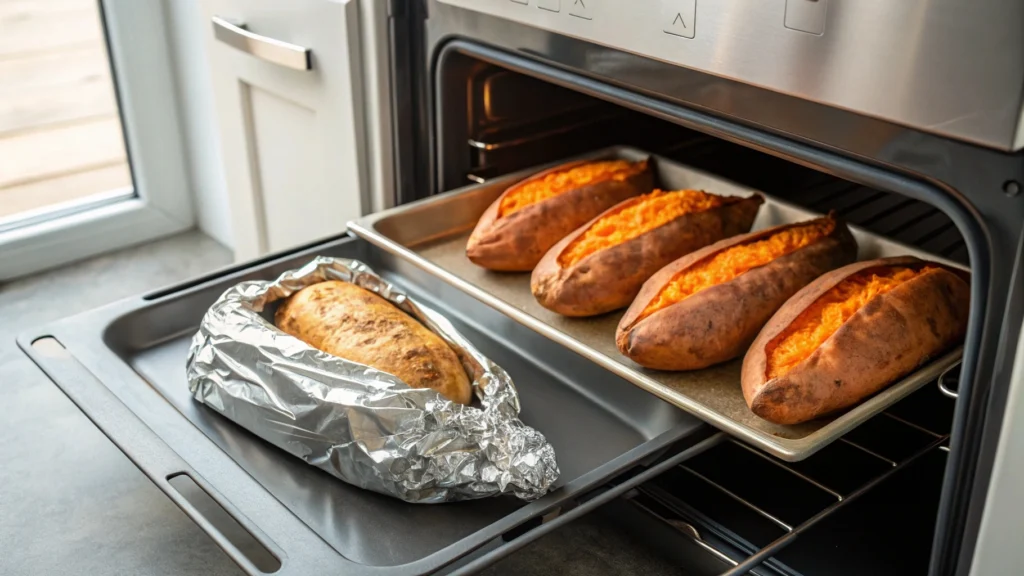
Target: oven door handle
{"points": [[235, 34]]}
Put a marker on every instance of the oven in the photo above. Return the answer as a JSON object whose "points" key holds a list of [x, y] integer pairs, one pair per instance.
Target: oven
{"points": [[905, 118]]}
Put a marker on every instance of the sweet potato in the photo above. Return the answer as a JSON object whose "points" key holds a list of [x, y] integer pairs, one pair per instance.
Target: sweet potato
{"points": [[347, 321], [602, 265], [531, 216], [851, 333], [708, 306]]}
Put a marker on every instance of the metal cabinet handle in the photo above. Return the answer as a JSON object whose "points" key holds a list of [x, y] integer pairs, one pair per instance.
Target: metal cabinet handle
{"points": [[262, 47]]}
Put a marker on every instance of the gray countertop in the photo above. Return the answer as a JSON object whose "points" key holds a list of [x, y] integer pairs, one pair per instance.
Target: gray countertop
{"points": [[72, 503]]}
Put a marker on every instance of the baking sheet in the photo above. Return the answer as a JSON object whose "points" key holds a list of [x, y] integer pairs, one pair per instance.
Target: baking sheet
{"points": [[432, 235]]}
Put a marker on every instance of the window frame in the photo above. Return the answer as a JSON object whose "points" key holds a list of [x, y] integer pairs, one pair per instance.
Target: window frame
{"points": [[143, 74]]}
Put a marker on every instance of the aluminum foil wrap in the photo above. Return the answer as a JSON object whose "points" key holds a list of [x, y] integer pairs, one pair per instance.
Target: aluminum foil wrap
{"points": [[362, 425]]}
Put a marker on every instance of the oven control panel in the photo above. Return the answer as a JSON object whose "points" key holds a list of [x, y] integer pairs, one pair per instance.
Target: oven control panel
{"points": [[940, 65]]}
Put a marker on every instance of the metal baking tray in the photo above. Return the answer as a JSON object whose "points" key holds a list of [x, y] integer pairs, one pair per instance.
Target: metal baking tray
{"points": [[124, 366], [431, 234]]}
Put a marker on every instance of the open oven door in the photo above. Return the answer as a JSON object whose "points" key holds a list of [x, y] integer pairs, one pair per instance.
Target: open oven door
{"points": [[996, 523], [303, 109], [998, 549]]}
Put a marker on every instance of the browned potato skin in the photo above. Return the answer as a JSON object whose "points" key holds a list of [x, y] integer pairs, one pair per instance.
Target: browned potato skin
{"points": [[888, 338], [719, 322], [517, 242], [355, 324], [611, 278]]}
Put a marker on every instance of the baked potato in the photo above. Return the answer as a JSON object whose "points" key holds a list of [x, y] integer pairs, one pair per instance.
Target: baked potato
{"points": [[602, 265], [851, 333], [708, 306], [531, 216], [350, 322]]}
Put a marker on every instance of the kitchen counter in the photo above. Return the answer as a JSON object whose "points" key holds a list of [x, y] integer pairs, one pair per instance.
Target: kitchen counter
{"points": [[72, 503]]}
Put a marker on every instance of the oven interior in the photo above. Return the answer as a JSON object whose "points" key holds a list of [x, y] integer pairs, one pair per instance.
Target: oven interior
{"points": [[865, 504]]}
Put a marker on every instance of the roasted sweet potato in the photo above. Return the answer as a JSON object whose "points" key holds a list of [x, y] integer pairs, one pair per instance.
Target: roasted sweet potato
{"points": [[531, 216], [851, 333], [709, 305], [347, 321], [602, 265]]}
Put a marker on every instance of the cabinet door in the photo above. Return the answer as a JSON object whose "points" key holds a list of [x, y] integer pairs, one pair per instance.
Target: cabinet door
{"points": [[292, 138]]}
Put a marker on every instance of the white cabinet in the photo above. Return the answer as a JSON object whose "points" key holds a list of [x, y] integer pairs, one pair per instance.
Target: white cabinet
{"points": [[295, 141]]}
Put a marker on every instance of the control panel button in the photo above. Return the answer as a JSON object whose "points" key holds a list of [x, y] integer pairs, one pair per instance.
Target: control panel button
{"points": [[806, 15], [552, 5], [582, 8], [679, 17]]}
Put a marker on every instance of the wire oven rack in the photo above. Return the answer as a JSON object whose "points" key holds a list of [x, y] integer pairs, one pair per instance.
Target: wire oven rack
{"points": [[746, 507]]}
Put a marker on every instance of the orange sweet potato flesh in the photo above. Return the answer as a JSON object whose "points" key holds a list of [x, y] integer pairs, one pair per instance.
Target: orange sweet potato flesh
{"points": [[734, 261], [829, 312], [603, 264], [649, 212], [850, 334], [523, 223], [557, 183]]}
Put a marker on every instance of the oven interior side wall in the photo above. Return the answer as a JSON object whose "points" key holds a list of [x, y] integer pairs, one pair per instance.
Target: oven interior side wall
{"points": [[492, 121]]}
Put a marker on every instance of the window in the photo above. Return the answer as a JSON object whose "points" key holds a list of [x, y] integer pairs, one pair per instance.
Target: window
{"points": [[91, 154]]}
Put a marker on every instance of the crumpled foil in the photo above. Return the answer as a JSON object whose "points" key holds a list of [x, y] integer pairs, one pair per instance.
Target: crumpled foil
{"points": [[362, 425]]}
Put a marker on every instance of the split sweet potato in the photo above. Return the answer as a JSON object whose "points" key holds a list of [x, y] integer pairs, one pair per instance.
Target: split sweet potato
{"points": [[850, 334], [531, 216], [708, 306], [602, 265]]}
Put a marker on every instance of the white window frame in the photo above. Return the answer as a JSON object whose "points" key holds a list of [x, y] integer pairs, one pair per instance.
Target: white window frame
{"points": [[144, 80]]}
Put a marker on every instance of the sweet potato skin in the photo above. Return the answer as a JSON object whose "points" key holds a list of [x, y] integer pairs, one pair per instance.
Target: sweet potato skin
{"points": [[886, 339], [347, 321], [517, 242], [611, 278], [718, 323]]}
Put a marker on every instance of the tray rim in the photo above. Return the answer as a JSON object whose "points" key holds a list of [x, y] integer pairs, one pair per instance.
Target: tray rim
{"points": [[140, 428], [790, 450]]}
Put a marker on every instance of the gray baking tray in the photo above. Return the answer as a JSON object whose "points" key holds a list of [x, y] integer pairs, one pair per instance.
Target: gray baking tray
{"points": [[431, 234], [124, 366]]}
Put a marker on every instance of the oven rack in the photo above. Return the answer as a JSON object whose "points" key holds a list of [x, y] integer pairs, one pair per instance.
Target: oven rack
{"points": [[694, 498], [498, 150], [498, 138]]}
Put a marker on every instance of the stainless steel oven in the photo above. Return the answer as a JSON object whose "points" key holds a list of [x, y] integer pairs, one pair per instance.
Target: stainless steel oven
{"points": [[905, 117]]}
